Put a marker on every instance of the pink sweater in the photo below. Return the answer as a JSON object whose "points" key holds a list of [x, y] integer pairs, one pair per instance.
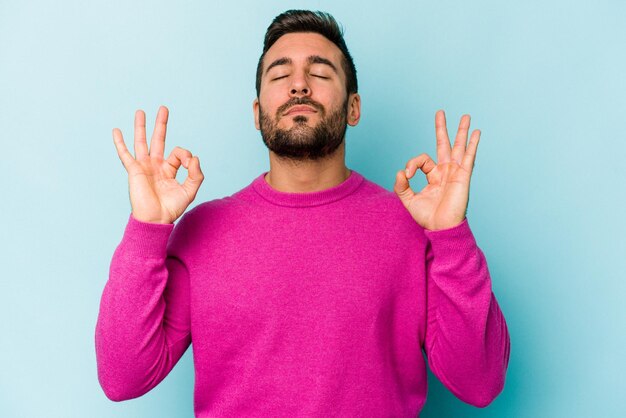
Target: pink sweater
{"points": [[302, 305]]}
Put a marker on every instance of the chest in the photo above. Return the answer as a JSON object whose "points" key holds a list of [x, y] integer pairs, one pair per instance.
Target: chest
{"points": [[297, 283]]}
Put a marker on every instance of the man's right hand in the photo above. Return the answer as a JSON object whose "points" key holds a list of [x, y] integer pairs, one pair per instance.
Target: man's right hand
{"points": [[155, 195]]}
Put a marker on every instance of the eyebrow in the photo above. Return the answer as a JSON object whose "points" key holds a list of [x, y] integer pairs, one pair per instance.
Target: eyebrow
{"points": [[316, 59], [279, 61], [313, 59]]}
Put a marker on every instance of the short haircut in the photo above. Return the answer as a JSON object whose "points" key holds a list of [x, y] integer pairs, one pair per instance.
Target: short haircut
{"points": [[293, 21]]}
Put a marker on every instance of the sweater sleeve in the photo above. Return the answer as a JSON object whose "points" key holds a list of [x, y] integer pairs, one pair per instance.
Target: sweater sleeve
{"points": [[467, 341], [143, 326]]}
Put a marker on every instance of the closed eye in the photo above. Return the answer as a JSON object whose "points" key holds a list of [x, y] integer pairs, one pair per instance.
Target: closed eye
{"points": [[320, 76], [278, 78]]}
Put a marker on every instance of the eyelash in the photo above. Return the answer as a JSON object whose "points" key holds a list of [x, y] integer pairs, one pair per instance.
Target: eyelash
{"points": [[314, 75]]}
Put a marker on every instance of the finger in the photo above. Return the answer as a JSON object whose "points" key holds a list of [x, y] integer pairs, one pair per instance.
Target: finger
{"points": [[443, 142], [141, 146], [157, 143], [461, 139], [194, 177], [122, 152], [402, 187], [470, 153], [422, 162], [179, 156]]}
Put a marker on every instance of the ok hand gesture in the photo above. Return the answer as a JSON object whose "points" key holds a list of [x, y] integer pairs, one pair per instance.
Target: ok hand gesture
{"points": [[442, 203], [155, 195]]}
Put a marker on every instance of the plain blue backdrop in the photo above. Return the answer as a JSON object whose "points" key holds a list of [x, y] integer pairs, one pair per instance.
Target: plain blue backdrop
{"points": [[543, 80]]}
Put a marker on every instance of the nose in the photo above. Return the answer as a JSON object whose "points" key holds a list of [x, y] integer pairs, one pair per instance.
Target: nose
{"points": [[299, 87], [299, 92]]}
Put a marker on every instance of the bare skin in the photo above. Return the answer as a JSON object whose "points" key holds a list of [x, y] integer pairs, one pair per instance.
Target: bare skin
{"points": [[322, 83], [442, 203], [155, 195]]}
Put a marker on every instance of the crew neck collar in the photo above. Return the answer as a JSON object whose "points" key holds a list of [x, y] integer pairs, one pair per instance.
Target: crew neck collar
{"points": [[306, 199]]}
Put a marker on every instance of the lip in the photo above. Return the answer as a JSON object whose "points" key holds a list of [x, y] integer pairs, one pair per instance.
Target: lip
{"points": [[299, 109]]}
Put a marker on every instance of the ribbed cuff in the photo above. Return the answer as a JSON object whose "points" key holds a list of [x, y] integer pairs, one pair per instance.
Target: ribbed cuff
{"points": [[456, 238], [146, 239]]}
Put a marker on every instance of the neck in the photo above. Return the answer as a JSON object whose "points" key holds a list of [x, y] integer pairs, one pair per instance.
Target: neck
{"points": [[292, 176]]}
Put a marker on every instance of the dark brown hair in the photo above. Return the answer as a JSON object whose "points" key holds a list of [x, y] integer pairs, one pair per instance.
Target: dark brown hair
{"points": [[323, 23]]}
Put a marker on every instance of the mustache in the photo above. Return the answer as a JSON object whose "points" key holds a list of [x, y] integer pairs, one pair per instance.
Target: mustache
{"points": [[300, 101]]}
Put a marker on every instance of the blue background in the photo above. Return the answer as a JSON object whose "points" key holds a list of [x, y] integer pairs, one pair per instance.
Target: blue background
{"points": [[544, 81]]}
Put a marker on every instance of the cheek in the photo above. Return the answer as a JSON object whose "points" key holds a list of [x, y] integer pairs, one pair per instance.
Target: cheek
{"points": [[331, 96], [335, 104], [269, 104]]}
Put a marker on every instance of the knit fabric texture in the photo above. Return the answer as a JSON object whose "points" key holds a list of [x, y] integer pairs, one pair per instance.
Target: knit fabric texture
{"points": [[319, 304]]}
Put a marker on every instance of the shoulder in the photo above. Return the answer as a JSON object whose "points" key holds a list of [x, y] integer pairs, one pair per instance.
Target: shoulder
{"points": [[219, 209], [207, 219], [387, 207], [379, 198], [211, 211]]}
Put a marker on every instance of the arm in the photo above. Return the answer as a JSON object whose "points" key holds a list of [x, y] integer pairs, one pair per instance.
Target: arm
{"points": [[143, 326], [467, 341]]}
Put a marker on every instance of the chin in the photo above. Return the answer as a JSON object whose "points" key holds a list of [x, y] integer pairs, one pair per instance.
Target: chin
{"points": [[298, 121]]}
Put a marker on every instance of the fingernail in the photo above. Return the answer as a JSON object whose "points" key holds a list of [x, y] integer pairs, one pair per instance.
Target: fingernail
{"points": [[407, 172]]}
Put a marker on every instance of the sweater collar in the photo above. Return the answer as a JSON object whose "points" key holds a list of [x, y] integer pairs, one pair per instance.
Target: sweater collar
{"points": [[306, 199]]}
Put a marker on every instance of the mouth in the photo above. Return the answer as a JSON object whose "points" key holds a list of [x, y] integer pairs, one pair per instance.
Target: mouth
{"points": [[299, 110]]}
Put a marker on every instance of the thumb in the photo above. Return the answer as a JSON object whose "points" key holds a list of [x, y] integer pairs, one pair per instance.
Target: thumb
{"points": [[402, 187], [194, 177]]}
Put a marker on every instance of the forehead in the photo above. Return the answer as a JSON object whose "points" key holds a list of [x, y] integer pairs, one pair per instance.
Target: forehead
{"points": [[299, 46]]}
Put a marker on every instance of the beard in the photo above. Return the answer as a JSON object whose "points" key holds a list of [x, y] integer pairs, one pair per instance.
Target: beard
{"points": [[303, 142]]}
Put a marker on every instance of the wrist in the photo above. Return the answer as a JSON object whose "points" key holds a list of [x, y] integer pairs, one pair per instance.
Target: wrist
{"points": [[150, 220], [444, 226]]}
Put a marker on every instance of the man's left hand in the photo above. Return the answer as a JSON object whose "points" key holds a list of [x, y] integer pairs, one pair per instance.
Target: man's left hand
{"points": [[442, 203]]}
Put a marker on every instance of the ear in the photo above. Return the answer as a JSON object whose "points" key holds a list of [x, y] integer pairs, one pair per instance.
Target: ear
{"points": [[354, 109], [255, 110]]}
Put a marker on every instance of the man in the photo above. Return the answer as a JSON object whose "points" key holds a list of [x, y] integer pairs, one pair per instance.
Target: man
{"points": [[312, 291]]}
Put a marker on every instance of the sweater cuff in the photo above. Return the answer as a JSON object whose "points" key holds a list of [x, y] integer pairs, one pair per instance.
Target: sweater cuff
{"points": [[146, 239], [456, 238]]}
